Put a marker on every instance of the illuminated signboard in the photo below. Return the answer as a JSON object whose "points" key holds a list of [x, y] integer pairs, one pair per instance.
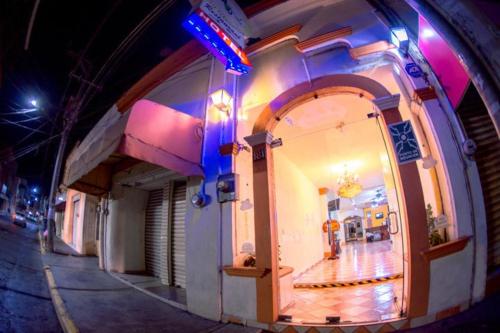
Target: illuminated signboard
{"points": [[215, 39], [229, 16]]}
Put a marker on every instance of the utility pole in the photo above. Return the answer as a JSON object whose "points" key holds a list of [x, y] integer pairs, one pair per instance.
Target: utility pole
{"points": [[76, 104], [69, 119]]}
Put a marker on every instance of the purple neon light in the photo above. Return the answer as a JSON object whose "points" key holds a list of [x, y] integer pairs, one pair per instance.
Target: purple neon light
{"points": [[214, 43]]}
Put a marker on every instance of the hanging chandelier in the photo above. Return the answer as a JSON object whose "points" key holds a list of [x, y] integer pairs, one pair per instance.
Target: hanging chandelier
{"points": [[349, 184]]}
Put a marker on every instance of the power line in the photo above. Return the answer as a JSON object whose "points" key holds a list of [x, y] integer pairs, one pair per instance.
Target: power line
{"points": [[27, 149], [20, 121], [25, 127], [76, 104], [107, 68], [29, 135], [87, 46], [21, 111]]}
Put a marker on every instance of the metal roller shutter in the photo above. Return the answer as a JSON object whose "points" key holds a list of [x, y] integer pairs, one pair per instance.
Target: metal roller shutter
{"points": [[479, 127], [165, 239], [153, 243], [178, 235]]}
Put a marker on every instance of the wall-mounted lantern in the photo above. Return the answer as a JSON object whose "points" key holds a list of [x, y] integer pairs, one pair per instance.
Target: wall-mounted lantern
{"points": [[222, 101], [399, 37]]}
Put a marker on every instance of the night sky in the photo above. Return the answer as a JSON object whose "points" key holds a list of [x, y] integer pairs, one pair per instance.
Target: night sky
{"points": [[61, 32]]}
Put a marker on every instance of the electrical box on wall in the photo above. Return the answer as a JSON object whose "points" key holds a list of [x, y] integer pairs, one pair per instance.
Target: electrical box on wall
{"points": [[227, 187]]}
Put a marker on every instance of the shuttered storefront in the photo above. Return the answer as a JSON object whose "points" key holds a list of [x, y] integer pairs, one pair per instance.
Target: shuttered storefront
{"points": [[155, 220], [178, 235], [479, 127], [165, 241]]}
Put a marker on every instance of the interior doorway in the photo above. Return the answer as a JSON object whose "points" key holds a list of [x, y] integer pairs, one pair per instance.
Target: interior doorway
{"points": [[338, 214]]}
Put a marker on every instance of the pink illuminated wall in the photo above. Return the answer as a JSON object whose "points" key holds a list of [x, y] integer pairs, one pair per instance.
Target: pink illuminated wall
{"points": [[443, 61]]}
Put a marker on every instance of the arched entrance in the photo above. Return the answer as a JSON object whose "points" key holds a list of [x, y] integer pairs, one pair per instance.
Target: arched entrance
{"points": [[413, 206]]}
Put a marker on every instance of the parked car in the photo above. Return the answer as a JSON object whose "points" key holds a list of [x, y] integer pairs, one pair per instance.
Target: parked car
{"points": [[31, 217], [19, 219]]}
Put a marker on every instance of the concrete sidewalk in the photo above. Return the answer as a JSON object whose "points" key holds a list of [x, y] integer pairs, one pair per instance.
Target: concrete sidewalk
{"points": [[98, 302]]}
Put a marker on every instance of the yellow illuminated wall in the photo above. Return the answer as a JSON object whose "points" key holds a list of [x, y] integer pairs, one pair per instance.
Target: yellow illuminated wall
{"points": [[372, 221]]}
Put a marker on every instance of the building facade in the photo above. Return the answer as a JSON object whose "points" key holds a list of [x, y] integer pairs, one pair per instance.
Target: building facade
{"points": [[8, 171], [234, 188], [76, 223]]}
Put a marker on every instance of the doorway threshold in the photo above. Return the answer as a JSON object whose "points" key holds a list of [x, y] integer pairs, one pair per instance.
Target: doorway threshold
{"points": [[386, 325]]}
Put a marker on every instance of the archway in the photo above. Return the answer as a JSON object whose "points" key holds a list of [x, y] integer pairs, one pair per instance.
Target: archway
{"points": [[413, 206]]}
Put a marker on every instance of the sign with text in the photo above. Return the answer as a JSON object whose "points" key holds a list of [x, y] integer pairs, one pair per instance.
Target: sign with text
{"points": [[229, 16], [218, 31], [405, 142], [259, 153], [414, 70]]}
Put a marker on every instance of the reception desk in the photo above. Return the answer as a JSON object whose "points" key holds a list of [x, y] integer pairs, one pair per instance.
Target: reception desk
{"points": [[377, 233]]}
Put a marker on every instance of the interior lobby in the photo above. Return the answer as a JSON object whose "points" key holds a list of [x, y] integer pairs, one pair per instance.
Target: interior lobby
{"points": [[339, 226]]}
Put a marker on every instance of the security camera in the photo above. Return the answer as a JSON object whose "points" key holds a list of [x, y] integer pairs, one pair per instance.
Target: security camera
{"points": [[469, 147]]}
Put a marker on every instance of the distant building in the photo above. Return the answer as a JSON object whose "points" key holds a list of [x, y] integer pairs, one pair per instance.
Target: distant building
{"points": [[21, 198], [8, 188]]}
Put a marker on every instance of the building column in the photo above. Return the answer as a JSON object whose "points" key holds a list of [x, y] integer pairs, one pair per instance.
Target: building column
{"points": [[413, 206], [267, 284]]}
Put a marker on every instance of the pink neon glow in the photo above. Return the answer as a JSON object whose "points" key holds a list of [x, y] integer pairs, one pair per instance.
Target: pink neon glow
{"points": [[163, 136], [443, 61]]}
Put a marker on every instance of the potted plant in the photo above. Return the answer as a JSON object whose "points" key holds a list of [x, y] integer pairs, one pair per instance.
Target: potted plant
{"points": [[434, 236]]}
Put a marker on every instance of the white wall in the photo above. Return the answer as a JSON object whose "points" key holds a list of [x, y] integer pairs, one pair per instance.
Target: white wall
{"points": [[125, 230], [450, 283], [240, 297], [298, 214], [202, 254], [244, 224]]}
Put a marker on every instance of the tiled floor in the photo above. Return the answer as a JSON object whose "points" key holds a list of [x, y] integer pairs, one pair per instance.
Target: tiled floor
{"points": [[358, 260], [364, 303]]}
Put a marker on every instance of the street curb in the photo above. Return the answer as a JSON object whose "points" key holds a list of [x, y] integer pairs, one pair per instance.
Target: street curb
{"points": [[67, 324], [65, 320]]}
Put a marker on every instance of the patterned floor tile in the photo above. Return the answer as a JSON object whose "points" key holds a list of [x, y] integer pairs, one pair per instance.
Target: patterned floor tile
{"points": [[329, 302], [361, 303], [358, 260], [324, 312], [359, 300], [353, 311], [353, 304]]}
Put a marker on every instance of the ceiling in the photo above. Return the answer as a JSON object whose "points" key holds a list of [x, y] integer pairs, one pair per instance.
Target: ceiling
{"points": [[323, 135]]}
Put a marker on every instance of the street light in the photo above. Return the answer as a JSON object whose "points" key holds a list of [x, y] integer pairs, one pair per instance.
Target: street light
{"points": [[34, 102]]}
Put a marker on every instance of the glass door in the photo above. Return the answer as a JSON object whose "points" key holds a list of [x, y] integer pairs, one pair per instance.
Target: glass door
{"points": [[395, 218]]}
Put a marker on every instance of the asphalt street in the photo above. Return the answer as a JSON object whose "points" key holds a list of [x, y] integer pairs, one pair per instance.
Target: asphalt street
{"points": [[25, 304]]}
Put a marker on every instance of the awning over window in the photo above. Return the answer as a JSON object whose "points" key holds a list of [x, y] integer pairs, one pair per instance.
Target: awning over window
{"points": [[149, 132]]}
